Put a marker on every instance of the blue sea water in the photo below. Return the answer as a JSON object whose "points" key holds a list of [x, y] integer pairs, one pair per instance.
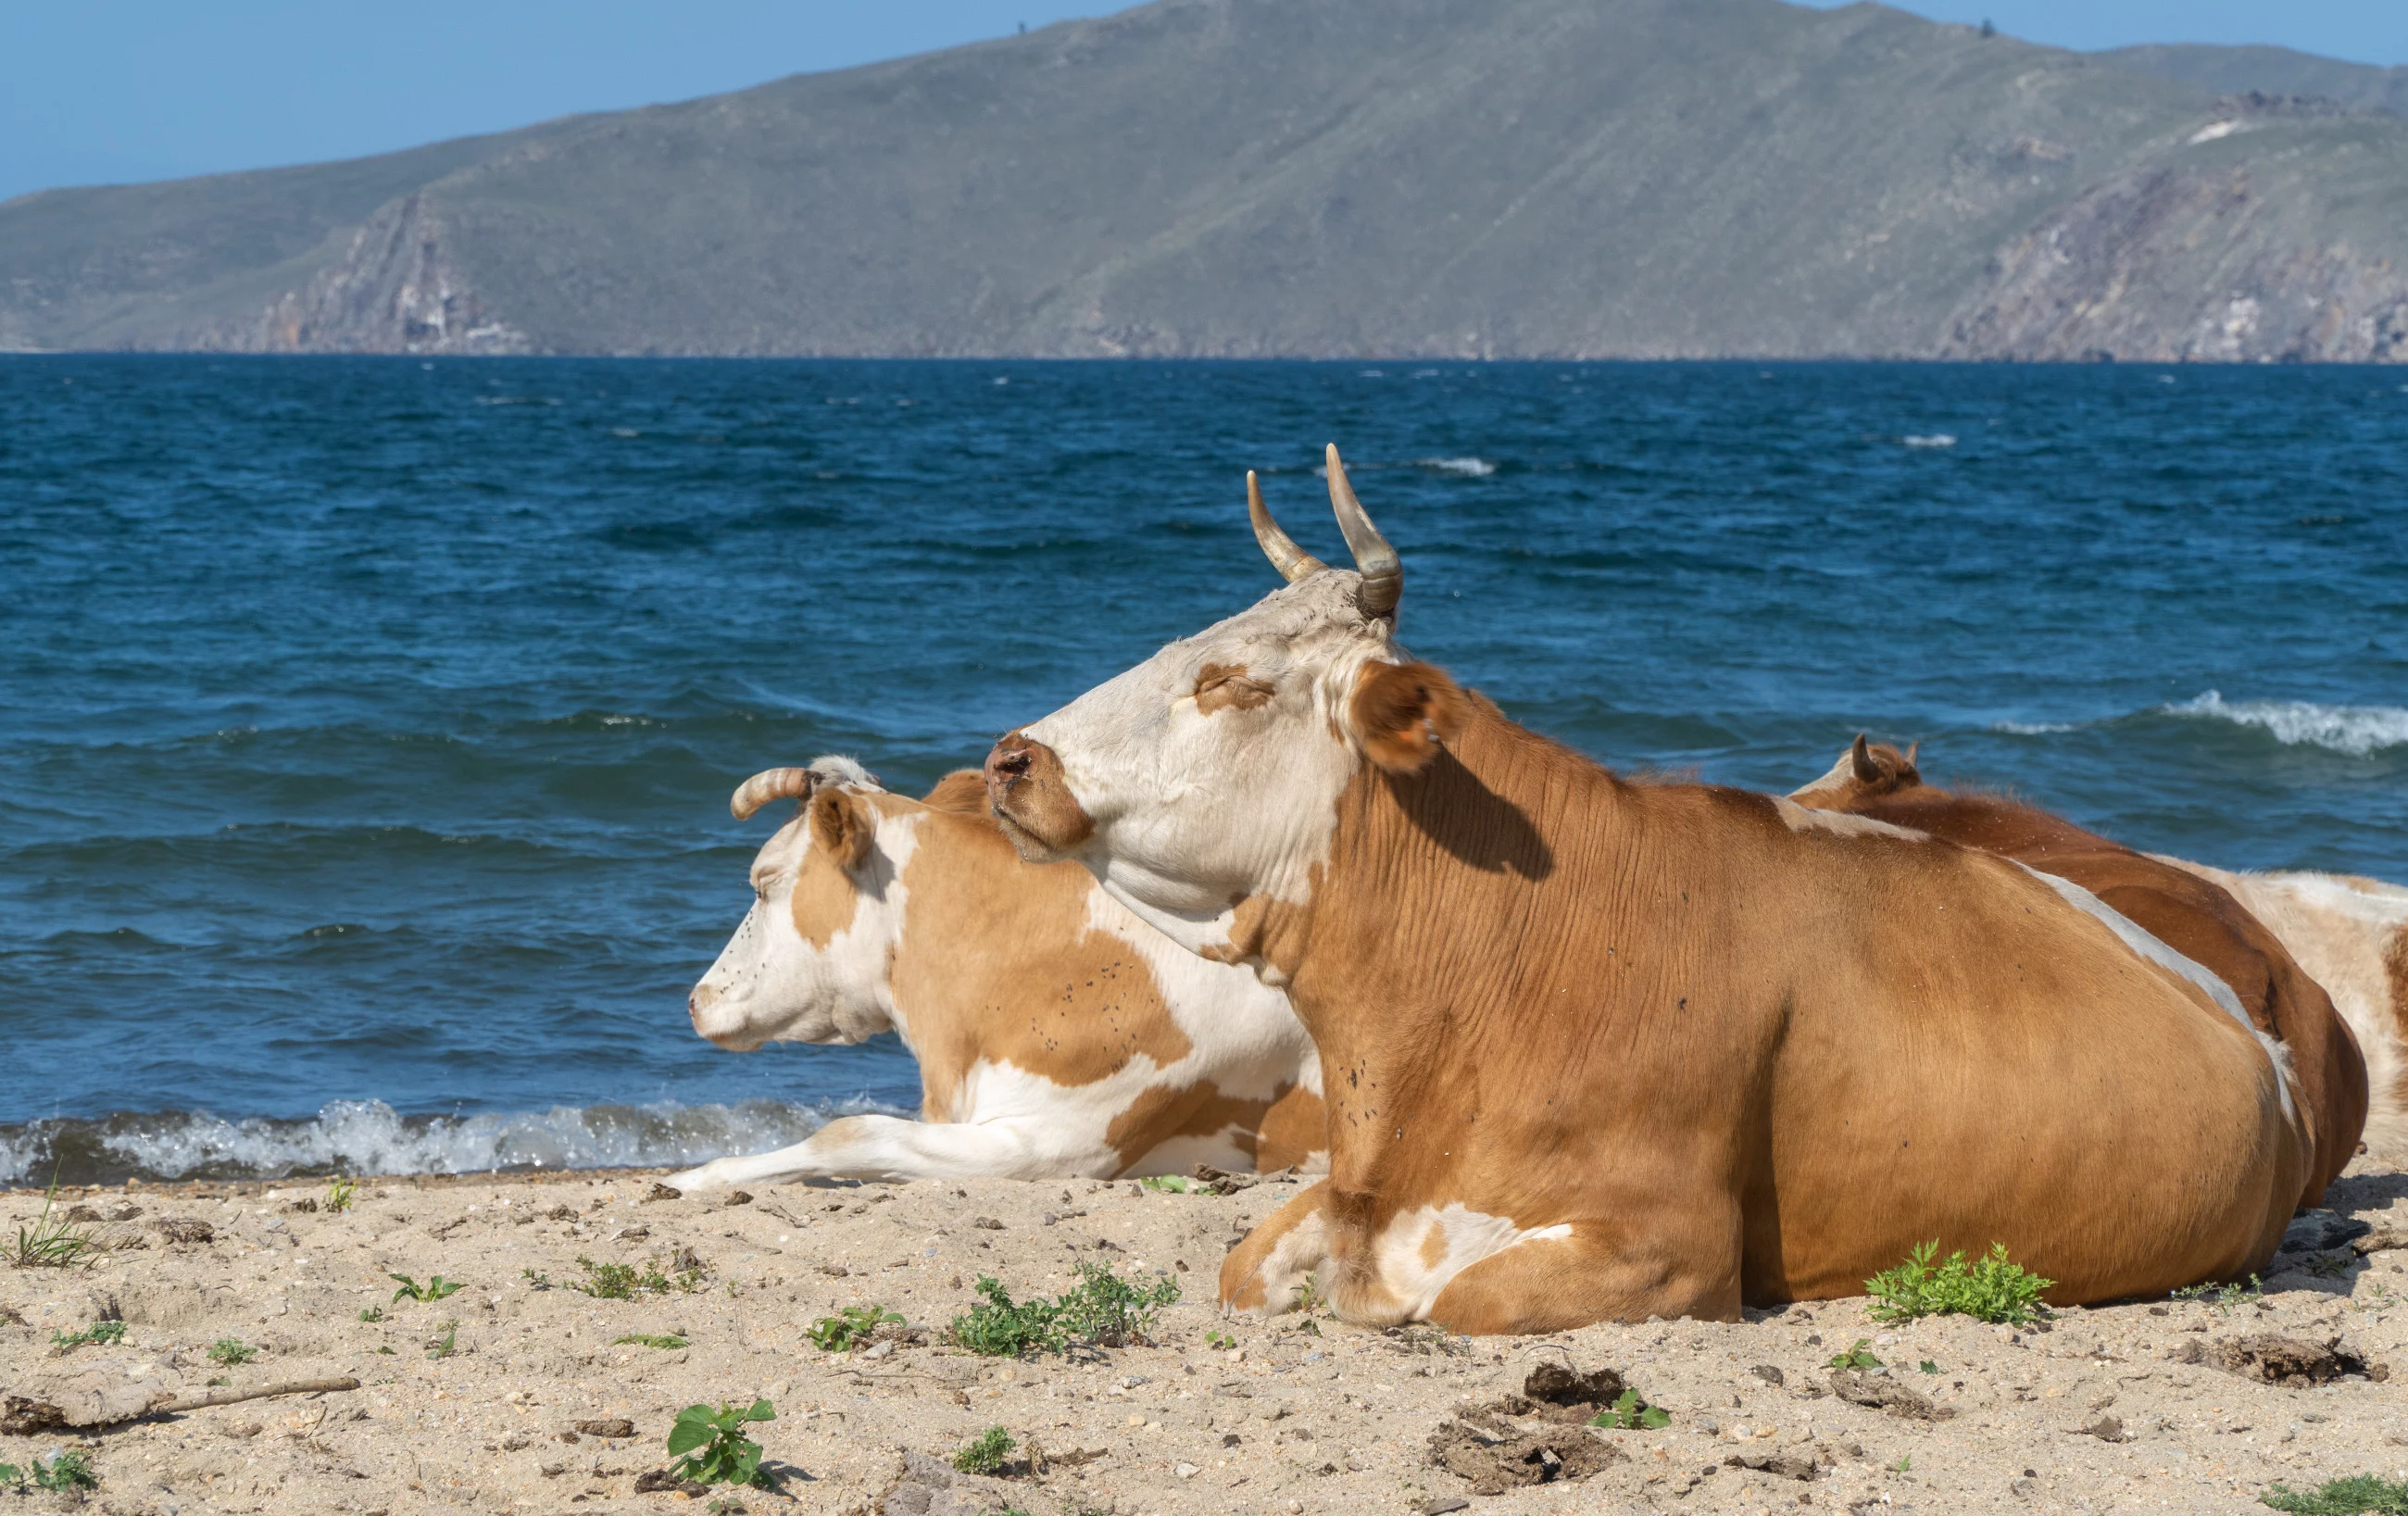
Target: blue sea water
{"points": [[367, 725]]}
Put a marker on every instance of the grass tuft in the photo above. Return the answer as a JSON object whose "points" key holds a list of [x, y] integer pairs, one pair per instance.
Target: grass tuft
{"points": [[436, 1288], [229, 1353], [68, 1472], [713, 1445], [53, 1241], [665, 1341], [623, 1282], [987, 1453], [1102, 1310], [1629, 1413], [1990, 1289], [2351, 1496], [106, 1334], [850, 1327]]}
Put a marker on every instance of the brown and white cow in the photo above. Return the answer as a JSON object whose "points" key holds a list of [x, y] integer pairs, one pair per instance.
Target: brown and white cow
{"points": [[1057, 1034], [2196, 917], [2351, 934], [1596, 1049]]}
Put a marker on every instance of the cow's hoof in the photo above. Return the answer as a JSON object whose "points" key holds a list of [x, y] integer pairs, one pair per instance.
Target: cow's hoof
{"points": [[696, 1178]]}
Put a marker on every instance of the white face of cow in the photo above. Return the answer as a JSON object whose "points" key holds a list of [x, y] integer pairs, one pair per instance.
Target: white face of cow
{"points": [[1212, 771], [809, 962]]}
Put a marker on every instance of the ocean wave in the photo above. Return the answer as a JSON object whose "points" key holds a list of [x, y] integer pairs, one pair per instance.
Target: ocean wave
{"points": [[1930, 440], [1478, 468], [2356, 729], [2032, 728], [368, 1136]]}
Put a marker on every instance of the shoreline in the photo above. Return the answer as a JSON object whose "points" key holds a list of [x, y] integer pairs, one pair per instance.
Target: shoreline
{"points": [[1294, 1415]]}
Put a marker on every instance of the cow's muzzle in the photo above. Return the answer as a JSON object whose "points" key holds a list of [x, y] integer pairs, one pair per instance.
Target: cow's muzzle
{"points": [[1032, 800]]}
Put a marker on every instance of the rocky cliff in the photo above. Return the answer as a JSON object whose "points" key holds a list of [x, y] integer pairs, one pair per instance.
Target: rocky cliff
{"points": [[1324, 177]]}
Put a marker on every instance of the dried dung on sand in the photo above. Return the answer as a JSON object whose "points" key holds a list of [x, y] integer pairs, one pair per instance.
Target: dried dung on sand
{"points": [[1560, 1393], [1497, 1459], [1787, 1466], [2293, 1362], [1883, 1392]]}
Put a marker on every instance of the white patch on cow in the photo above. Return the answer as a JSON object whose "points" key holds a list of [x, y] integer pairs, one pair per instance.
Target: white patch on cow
{"points": [[1465, 1236], [1798, 818], [2147, 945], [1257, 1043], [2340, 929], [1192, 811], [1296, 1257], [1836, 782], [769, 984]]}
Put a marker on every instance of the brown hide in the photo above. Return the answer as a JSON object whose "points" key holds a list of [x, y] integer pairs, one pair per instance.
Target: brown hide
{"points": [[1742, 1051], [2195, 917], [997, 962]]}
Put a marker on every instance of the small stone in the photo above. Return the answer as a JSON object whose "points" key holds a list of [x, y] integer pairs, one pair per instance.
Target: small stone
{"points": [[1135, 1420], [1185, 1472], [737, 1197]]}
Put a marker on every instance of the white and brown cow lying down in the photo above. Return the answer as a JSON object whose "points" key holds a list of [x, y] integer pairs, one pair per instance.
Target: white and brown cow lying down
{"points": [[2193, 915], [2351, 934], [1057, 1034], [1595, 1049]]}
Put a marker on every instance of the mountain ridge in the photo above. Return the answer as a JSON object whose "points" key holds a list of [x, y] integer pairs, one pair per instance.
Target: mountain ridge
{"points": [[1377, 178]]}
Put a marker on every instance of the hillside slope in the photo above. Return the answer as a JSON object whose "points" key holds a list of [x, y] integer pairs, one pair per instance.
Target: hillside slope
{"points": [[1246, 177]]}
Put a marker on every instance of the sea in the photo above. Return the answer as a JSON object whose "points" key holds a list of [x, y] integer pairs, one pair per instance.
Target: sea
{"points": [[367, 724]]}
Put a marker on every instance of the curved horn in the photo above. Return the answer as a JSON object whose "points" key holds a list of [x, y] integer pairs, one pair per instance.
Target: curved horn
{"points": [[1292, 562], [1861, 757], [1384, 575], [768, 785]]}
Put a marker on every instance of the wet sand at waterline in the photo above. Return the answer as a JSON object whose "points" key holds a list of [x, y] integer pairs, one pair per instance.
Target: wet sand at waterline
{"points": [[1297, 1416]]}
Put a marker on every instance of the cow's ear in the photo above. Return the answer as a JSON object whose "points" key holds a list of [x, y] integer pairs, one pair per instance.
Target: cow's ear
{"points": [[844, 824], [1404, 713]]}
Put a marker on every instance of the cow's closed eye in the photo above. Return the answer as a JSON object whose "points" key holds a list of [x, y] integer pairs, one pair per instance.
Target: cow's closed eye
{"points": [[1219, 686]]}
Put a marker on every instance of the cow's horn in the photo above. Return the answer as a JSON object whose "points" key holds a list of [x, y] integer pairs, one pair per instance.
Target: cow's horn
{"points": [[768, 785], [1384, 577], [1292, 562]]}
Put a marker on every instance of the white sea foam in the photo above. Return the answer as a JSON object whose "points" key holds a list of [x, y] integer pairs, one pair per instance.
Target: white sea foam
{"points": [[1930, 440], [2355, 730], [1478, 468], [368, 1136], [2032, 728]]}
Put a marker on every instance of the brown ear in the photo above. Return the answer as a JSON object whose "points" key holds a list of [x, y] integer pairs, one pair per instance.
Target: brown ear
{"points": [[1911, 748], [1860, 757], [963, 791], [1404, 713], [844, 824]]}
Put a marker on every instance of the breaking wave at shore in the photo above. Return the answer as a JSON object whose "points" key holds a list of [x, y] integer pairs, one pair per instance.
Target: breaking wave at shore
{"points": [[2355, 730], [368, 1136]]}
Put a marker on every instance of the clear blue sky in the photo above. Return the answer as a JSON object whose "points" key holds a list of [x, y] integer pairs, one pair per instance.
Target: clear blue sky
{"points": [[109, 91]]}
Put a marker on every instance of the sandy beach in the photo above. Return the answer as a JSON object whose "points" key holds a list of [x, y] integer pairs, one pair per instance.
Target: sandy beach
{"points": [[475, 1401]]}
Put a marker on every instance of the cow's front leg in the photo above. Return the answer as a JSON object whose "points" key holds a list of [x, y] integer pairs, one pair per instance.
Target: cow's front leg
{"points": [[1594, 1272], [1265, 1273], [891, 1148]]}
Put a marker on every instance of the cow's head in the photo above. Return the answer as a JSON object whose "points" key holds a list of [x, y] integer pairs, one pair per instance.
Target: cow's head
{"points": [[1212, 771], [1867, 771], [808, 963]]}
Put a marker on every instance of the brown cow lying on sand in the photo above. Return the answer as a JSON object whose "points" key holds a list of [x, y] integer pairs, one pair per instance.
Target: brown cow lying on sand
{"points": [[2195, 918], [1057, 1034], [1595, 1049]]}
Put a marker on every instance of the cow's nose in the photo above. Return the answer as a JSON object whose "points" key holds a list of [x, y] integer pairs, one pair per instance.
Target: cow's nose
{"points": [[1009, 760], [698, 1002]]}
